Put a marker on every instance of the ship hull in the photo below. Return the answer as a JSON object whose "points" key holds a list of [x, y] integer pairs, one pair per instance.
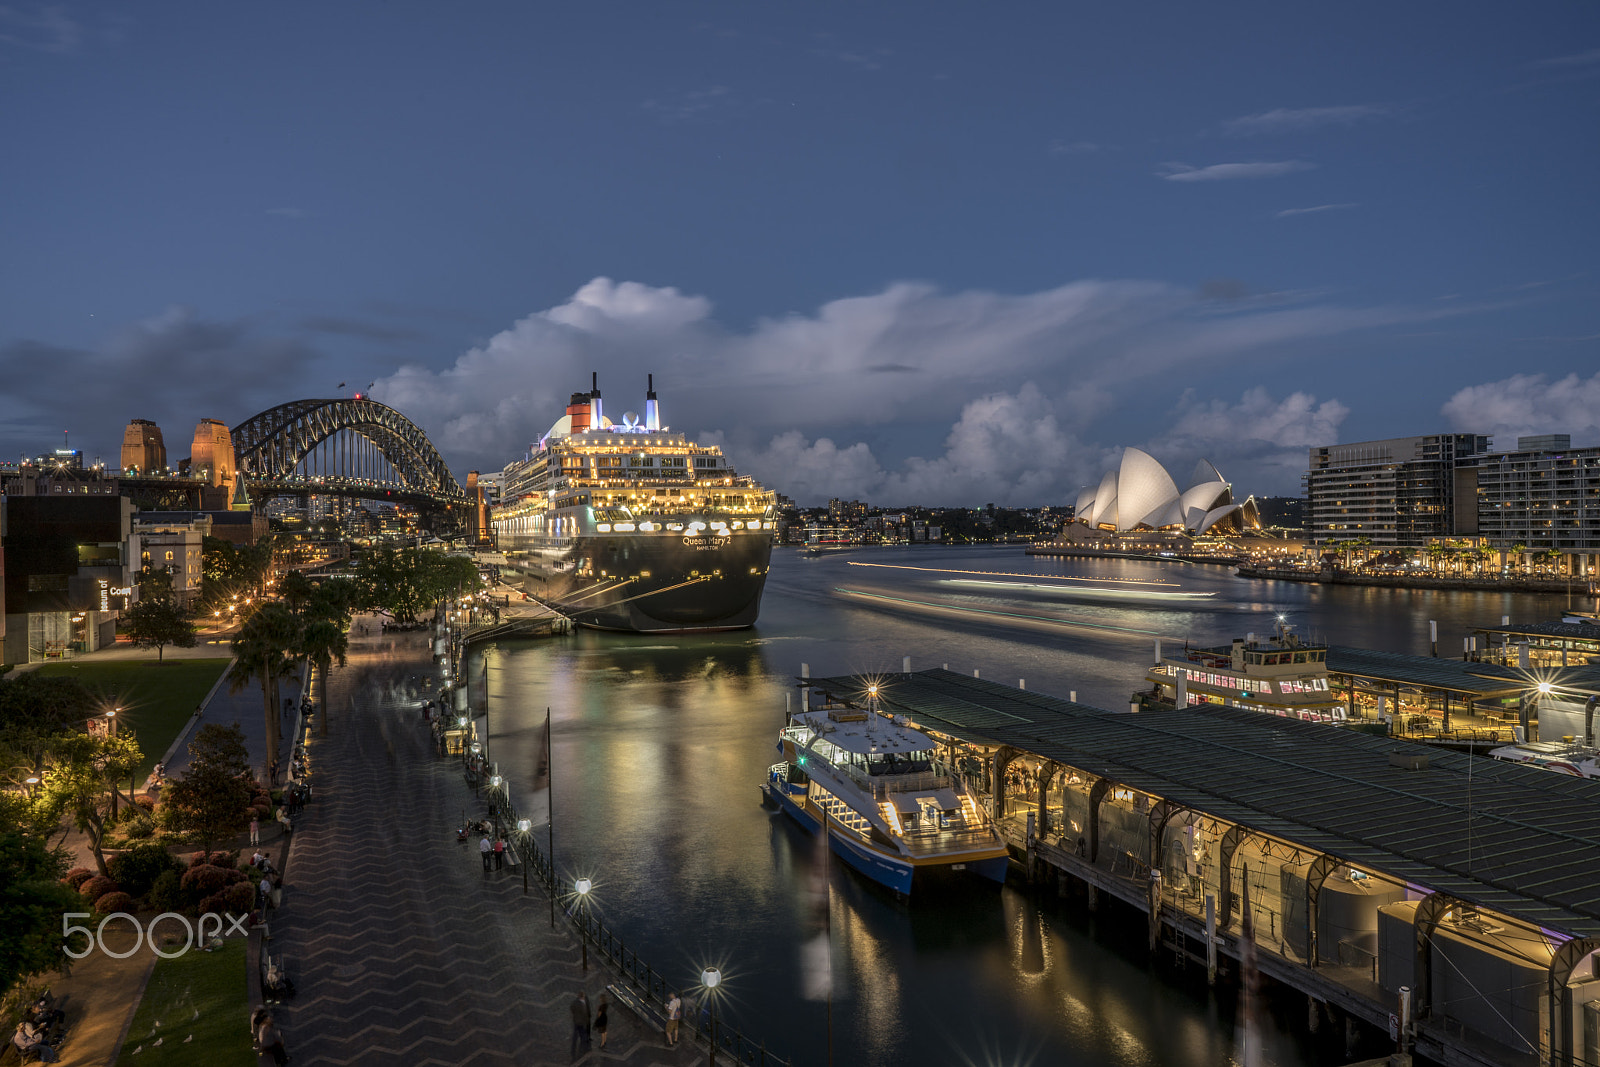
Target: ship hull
{"points": [[650, 583]]}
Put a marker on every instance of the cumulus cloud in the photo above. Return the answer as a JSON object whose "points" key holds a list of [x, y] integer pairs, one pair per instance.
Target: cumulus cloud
{"points": [[806, 389], [1295, 119], [1259, 442], [1222, 172], [1528, 404]]}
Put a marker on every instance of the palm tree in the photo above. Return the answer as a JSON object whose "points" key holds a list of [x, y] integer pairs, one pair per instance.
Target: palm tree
{"points": [[264, 649], [1517, 552], [322, 643]]}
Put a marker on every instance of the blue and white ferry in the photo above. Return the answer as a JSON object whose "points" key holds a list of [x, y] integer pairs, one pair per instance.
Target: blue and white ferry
{"points": [[892, 809]]}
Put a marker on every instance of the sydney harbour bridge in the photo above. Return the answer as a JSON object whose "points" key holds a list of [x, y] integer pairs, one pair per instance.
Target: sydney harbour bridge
{"points": [[347, 447]]}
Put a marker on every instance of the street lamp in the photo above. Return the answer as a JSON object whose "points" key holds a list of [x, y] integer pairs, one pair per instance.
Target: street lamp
{"points": [[31, 783], [582, 887], [711, 978], [523, 826]]}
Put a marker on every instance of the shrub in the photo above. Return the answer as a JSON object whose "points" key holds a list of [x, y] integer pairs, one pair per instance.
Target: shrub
{"points": [[112, 902], [167, 892], [77, 876], [145, 801], [224, 859], [241, 898], [138, 827], [216, 904], [137, 869], [94, 888], [202, 880]]}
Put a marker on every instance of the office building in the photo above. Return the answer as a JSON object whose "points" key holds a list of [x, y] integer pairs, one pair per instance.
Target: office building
{"points": [[70, 563], [1397, 492], [174, 541]]}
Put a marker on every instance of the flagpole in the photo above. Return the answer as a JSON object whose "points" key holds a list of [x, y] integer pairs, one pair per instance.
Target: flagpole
{"points": [[550, 802]]}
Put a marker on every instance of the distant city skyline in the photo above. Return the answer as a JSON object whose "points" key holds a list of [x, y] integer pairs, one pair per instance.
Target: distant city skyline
{"points": [[907, 254]]}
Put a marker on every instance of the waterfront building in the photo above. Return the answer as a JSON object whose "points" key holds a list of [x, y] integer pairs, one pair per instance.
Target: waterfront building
{"points": [[1544, 495], [1141, 495], [70, 562], [142, 447], [1399, 492], [174, 541]]}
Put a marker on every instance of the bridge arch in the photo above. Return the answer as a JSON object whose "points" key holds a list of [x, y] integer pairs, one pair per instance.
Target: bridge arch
{"points": [[271, 445]]}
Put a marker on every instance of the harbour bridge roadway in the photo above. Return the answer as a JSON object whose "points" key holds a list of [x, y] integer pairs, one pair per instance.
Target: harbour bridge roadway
{"points": [[347, 447]]}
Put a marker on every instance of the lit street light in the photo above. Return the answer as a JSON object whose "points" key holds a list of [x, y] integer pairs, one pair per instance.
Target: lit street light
{"points": [[582, 887], [711, 978], [523, 826]]}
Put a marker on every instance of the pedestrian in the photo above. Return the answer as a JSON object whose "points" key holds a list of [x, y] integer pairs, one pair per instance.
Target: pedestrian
{"points": [[265, 892], [484, 849], [580, 1023], [674, 1014], [499, 853], [600, 1018], [271, 1042], [255, 830]]}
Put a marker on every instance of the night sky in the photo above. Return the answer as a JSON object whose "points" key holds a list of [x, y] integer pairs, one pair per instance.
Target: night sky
{"points": [[919, 252]]}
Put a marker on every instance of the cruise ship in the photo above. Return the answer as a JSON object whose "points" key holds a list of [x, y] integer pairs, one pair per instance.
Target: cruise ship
{"points": [[633, 527]]}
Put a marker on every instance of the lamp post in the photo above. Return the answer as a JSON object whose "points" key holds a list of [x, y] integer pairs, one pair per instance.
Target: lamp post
{"points": [[711, 978], [494, 804], [523, 826], [29, 784], [582, 887], [111, 731]]}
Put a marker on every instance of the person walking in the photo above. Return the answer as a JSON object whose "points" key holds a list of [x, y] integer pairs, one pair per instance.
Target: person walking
{"points": [[580, 1023], [484, 848], [255, 830], [499, 853], [600, 1018], [674, 1016], [271, 1042], [265, 889]]}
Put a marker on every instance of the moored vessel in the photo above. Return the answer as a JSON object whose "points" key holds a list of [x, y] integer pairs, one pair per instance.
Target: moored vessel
{"points": [[633, 527], [885, 797], [1281, 675]]}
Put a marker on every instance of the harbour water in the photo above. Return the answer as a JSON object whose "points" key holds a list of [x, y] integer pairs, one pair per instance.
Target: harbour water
{"points": [[660, 745]]}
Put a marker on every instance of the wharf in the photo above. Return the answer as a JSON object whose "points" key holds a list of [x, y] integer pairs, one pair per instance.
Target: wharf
{"points": [[1365, 868], [1086, 552], [1333, 576]]}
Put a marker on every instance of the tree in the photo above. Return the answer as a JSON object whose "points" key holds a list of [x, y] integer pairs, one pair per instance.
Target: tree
{"points": [[158, 623], [322, 643], [407, 581], [211, 798], [263, 648], [35, 712], [82, 769], [1518, 551], [32, 899], [296, 590]]}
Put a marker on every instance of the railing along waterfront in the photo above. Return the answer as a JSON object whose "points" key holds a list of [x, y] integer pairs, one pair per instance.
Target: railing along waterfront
{"points": [[644, 980]]}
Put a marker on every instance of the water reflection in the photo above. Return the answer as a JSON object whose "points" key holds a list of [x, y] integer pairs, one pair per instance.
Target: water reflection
{"points": [[660, 745]]}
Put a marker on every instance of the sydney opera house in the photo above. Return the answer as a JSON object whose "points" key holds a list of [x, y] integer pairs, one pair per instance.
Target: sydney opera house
{"points": [[1140, 495]]}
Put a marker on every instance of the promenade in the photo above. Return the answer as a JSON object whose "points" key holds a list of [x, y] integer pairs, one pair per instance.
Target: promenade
{"points": [[402, 949]]}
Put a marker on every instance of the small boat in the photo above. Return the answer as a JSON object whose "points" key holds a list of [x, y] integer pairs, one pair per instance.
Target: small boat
{"points": [[1563, 757], [892, 809]]}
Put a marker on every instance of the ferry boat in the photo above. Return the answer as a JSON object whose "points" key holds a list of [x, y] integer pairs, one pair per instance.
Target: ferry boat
{"points": [[632, 527], [1281, 675], [891, 808]]}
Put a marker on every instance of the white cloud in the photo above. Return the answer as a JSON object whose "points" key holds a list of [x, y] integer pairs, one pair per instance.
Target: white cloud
{"points": [[1528, 404], [1577, 59], [889, 367], [1289, 212], [1218, 172], [1259, 443], [1293, 120]]}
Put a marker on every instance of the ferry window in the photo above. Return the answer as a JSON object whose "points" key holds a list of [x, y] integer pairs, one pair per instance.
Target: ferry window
{"points": [[641, 461], [1299, 657]]}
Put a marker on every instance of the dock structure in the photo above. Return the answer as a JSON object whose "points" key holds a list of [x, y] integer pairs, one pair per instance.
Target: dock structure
{"points": [[1542, 644], [1456, 701], [1376, 872]]}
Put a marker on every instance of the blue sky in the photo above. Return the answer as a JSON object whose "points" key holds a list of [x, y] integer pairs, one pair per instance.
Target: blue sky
{"points": [[940, 252]]}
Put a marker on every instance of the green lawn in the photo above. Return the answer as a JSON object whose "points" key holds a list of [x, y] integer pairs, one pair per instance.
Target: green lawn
{"points": [[203, 994], [157, 698]]}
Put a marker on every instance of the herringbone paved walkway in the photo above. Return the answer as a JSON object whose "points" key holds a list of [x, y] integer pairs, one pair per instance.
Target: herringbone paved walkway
{"points": [[402, 950]]}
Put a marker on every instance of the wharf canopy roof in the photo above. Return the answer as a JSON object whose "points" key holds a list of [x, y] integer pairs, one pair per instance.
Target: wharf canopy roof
{"points": [[1140, 494], [1458, 676], [1535, 835]]}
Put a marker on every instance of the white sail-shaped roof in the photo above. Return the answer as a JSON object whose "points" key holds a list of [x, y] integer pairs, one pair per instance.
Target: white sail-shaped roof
{"points": [[1105, 501], [1144, 490], [1205, 471], [1085, 503]]}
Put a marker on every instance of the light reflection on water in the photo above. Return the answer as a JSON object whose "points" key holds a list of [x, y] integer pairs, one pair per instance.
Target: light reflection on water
{"points": [[661, 745]]}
